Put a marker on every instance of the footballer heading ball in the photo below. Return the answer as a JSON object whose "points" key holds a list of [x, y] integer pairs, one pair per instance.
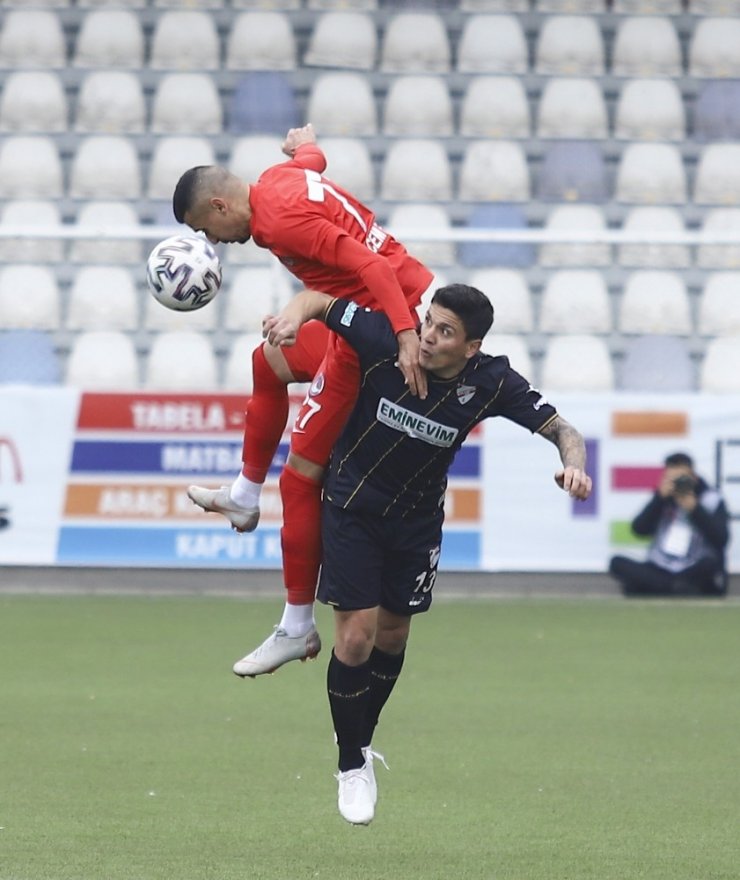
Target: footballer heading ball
{"points": [[183, 272]]}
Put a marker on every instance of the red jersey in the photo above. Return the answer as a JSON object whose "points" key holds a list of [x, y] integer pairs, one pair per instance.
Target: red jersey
{"points": [[304, 220]]}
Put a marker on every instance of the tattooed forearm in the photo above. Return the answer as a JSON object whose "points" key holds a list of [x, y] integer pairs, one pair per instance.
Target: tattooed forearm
{"points": [[570, 443]]}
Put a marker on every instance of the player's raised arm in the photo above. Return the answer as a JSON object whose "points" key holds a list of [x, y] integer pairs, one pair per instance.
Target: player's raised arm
{"points": [[283, 329], [572, 477], [300, 144]]}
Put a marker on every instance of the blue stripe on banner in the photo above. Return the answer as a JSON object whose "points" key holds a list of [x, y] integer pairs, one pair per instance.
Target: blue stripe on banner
{"points": [[460, 550], [466, 462]]}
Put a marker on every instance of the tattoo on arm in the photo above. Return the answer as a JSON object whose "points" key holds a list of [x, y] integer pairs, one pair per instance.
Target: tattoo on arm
{"points": [[570, 443]]}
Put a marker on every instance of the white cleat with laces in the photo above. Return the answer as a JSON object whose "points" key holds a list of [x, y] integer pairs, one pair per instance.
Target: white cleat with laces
{"points": [[277, 649], [355, 798], [369, 755], [242, 519]]}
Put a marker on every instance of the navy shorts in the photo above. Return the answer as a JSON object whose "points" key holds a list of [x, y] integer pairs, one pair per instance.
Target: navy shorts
{"points": [[369, 560]]}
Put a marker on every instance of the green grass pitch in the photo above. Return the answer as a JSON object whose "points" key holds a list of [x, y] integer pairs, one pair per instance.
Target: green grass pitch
{"points": [[527, 740]]}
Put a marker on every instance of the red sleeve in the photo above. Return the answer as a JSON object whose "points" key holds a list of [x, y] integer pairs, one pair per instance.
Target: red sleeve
{"points": [[309, 156]]}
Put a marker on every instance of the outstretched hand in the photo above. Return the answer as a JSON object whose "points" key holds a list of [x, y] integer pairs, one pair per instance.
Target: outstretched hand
{"points": [[296, 137], [575, 482]]}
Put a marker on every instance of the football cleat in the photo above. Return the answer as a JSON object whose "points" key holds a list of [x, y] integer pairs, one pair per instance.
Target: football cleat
{"points": [[277, 649], [355, 798], [242, 519], [369, 755]]}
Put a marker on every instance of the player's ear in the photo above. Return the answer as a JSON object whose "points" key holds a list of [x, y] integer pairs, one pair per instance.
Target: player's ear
{"points": [[218, 204], [472, 346]]}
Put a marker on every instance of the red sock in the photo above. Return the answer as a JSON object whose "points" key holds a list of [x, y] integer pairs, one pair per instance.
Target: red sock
{"points": [[300, 535], [266, 415]]}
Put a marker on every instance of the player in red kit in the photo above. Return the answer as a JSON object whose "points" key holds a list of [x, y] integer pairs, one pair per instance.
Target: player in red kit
{"points": [[331, 243]]}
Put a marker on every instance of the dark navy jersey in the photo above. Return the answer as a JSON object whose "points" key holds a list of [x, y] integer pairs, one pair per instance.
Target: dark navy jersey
{"points": [[395, 450]]}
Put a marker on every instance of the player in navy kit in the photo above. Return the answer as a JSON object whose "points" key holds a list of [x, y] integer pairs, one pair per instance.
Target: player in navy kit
{"points": [[383, 509]]}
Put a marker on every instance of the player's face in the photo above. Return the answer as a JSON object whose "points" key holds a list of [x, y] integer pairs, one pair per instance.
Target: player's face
{"points": [[220, 221], [444, 350]]}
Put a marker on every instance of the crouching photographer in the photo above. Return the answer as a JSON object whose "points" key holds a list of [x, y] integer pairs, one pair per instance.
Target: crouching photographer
{"points": [[689, 526]]}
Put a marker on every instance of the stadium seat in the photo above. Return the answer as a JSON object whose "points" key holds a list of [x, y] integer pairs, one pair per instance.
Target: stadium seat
{"points": [[128, 4], [428, 217], [261, 41], [570, 45], [32, 38], [576, 218], [571, 6], [184, 39], [515, 255], [416, 171], [266, 4], [717, 179], [252, 294], [181, 361], [172, 156], [27, 357], [105, 167], [238, 370], [494, 171], [712, 7], [111, 101], [572, 108], [575, 301], [495, 107], [342, 104], [30, 167], [514, 347], [189, 4], [110, 38], [263, 102], [29, 298], [646, 46], [250, 156], [186, 103], [33, 101], [720, 369], [512, 301], [249, 254], [650, 110], [418, 106], [572, 171], [650, 174], [494, 5], [492, 44], [415, 42], [717, 111], [719, 306], [329, 5], [655, 302], [656, 363], [647, 219], [26, 248], [647, 7], [577, 362], [103, 298], [722, 221], [98, 250], [343, 39], [103, 360], [714, 50], [47, 4], [160, 319], [349, 164]]}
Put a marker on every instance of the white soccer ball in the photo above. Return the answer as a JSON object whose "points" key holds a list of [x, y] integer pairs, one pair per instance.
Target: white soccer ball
{"points": [[183, 272]]}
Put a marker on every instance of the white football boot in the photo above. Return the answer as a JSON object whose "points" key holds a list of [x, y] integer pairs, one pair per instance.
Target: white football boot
{"points": [[369, 755], [355, 798], [277, 649], [242, 519]]}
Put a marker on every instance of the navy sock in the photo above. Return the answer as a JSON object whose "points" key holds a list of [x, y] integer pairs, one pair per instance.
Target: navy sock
{"points": [[384, 671], [348, 688]]}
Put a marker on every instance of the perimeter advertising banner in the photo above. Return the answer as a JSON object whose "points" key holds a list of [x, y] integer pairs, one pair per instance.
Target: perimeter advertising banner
{"points": [[100, 479]]}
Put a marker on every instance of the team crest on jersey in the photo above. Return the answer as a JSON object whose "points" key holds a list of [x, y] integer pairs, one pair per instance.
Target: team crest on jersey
{"points": [[317, 386], [465, 393]]}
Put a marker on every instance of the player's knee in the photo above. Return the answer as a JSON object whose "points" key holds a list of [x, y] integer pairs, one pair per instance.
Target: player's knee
{"points": [[269, 366], [354, 641]]}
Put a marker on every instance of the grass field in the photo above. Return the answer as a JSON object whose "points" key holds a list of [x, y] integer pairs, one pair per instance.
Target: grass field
{"points": [[535, 740]]}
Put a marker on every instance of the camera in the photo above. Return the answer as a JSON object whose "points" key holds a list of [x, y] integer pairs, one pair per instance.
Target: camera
{"points": [[683, 485]]}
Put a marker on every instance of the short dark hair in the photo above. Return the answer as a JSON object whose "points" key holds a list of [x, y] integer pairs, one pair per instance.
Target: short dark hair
{"points": [[679, 459], [186, 192], [471, 305]]}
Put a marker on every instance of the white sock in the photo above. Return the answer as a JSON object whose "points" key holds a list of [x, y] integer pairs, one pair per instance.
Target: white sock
{"points": [[245, 493], [297, 620]]}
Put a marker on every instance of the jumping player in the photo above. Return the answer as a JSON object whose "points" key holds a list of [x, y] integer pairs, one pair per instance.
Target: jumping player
{"points": [[383, 498], [332, 243]]}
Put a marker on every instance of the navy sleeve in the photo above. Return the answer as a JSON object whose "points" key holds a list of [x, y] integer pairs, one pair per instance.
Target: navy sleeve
{"points": [[523, 404], [368, 332]]}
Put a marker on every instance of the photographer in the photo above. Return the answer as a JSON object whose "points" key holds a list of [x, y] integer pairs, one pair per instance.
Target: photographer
{"points": [[689, 526]]}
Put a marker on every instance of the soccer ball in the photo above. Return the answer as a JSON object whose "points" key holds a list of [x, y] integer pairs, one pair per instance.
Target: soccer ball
{"points": [[183, 273]]}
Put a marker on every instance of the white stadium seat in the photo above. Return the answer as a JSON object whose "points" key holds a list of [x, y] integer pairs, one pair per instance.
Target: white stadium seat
{"points": [[646, 46], [572, 108], [575, 301], [571, 6], [110, 38], [492, 44], [185, 39], [515, 348], [426, 217], [719, 306], [33, 101], [251, 155], [577, 218], [494, 5], [252, 294], [656, 363], [105, 167], [720, 369], [342, 104], [650, 110], [416, 171], [238, 370], [650, 174], [189, 4], [712, 7], [570, 45], [111, 101], [577, 362], [714, 50], [655, 302], [32, 38], [30, 167], [161, 319], [187, 103], [329, 5], [415, 42], [717, 179], [496, 107], [103, 298], [261, 41], [418, 106], [512, 301], [266, 4], [647, 219], [103, 361], [494, 171], [98, 250], [172, 156], [27, 249], [29, 298], [647, 7], [349, 165], [725, 221], [343, 39], [181, 360], [128, 4]]}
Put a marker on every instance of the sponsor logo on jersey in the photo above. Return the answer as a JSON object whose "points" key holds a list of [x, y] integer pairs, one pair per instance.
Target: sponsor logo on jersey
{"points": [[542, 399], [349, 313], [465, 393], [419, 427], [375, 239], [317, 386]]}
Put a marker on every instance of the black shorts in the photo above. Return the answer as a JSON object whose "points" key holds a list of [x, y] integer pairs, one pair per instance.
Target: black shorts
{"points": [[369, 560]]}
